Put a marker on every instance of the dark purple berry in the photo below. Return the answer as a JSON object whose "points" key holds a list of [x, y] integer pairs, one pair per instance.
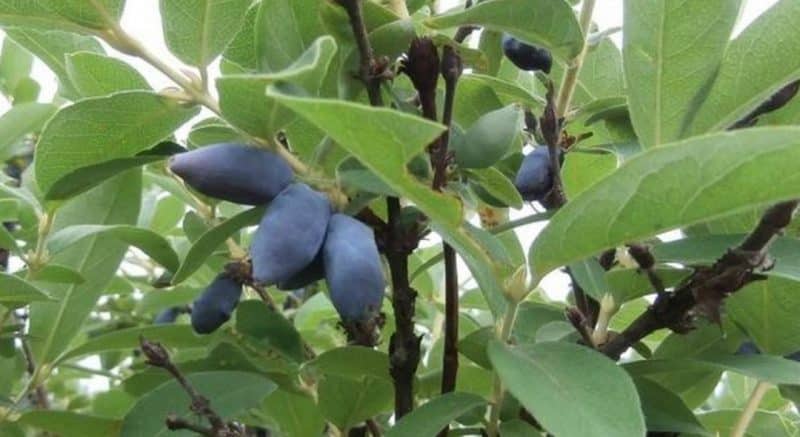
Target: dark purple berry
{"points": [[233, 172], [290, 234], [167, 316], [215, 306], [535, 176], [525, 56], [353, 269], [309, 275]]}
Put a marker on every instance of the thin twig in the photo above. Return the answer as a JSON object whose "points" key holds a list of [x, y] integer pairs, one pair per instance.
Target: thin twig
{"points": [[157, 356], [646, 261], [705, 289], [570, 80], [451, 71]]}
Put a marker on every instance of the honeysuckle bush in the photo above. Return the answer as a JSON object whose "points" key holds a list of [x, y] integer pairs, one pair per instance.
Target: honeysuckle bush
{"points": [[414, 123]]}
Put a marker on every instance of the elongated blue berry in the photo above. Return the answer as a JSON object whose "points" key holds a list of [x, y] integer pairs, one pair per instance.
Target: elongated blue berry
{"points": [[233, 172], [290, 234], [215, 306], [535, 177], [353, 269], [525, 56]]}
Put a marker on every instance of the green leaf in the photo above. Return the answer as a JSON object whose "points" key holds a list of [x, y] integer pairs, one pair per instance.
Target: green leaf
{"points": [[385, 141], [547, 23], [57, 274], [704, 250], [54, 325], [269, 329], [671, 55], [284, 30], [152, 244], [15, 65], [230, 393], [767, 311], [70, 424], [664, 411], [590, 275], [619, 208], [568, 375], [84, 178], [92, 15], [497, 185], [197, 31], [19, 121], [15, 291], [763, 424], [177, 336], [352, 362], [347, 402], [243, 98], [437, 413], [242, 49], [765, 57], [51, 47], [94, 74], [102, 129], [294, 414], [777, 370], [489, 139], [601, 75], [33, 14], [212, 239]]}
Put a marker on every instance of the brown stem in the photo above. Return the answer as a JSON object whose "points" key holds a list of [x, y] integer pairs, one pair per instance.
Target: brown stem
{"points": [[646, 261], [551, 131], [451, 71], [40, 396], [708, 286], [157, 356], [404, 345], [368, 69]]}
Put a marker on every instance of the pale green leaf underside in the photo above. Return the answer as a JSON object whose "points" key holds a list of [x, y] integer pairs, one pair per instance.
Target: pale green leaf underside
{"points": [[104, 128], [151, 243], [433, 416], [548, 23], [197, 31], [669, 187], [565, 375], [671, 52], [765, 57], [16, 291]]}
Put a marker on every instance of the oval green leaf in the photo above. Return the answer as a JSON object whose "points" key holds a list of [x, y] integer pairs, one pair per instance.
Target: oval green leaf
{"points": [[101, 129], [151, 243], [230, 393], [548, 23], [437, 413], [489, 139], [601, 397], [667, 188]]}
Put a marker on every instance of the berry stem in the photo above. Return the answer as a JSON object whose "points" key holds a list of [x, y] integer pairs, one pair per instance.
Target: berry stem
{"points": [[571, 75], [498, 392], [750, 409]]}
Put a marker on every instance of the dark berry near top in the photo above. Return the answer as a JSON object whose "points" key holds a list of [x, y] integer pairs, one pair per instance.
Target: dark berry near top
{"points": [[353, 269], [535, 176], [525, 56], [215, 306], [167, 316], [748, 348], [233, 172], [290, 234]]}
